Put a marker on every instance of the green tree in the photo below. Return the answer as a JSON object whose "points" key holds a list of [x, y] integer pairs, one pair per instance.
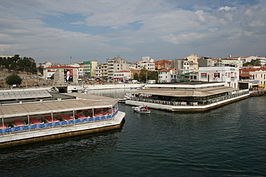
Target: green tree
{"points": [[136, 76], [153, 75], [40, 69], [13, 79], [143, 75]]}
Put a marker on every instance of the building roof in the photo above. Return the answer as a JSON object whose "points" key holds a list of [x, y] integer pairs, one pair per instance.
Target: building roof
{"points": [[162, 62], [23, 94], [252, 69], [245, 75], [62, 67], [201, 92], [82, 101]]}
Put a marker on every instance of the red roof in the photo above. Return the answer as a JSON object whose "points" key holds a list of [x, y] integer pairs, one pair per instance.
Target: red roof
{"points": [[245, 75], [162, 62], [252, 69]]}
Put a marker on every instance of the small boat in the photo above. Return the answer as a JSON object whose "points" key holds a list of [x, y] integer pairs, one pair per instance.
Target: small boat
{"points": [[141, 109]]}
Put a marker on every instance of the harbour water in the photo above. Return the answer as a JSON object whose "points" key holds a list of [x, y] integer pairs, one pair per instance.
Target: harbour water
{"points": [[228, 141]]}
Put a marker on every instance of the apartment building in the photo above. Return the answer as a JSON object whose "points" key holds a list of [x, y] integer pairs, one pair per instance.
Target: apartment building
{"points": [[101, 71], [167, 75], [228, 75], [89, 68], [254, 75], [146, 62], [114, 65], [122, 76]]}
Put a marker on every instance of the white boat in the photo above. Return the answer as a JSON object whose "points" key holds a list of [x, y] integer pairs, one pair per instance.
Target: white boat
{"points": [[141, 109]]}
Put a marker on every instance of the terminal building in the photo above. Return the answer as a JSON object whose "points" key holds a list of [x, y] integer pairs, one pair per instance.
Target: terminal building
{"points": [[186, 97], [38, 115]]}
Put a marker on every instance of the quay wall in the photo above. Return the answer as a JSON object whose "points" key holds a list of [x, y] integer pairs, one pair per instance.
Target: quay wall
{"points": [[187, 108], [258, 92], [61, 132]]}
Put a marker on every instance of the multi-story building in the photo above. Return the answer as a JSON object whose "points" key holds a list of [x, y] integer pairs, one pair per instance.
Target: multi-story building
{"points": [[147, 63], [254, 75], [167, 75], [228, 75], [181, 65], [163, 64], [101, 71], [122, 76], [114, 65], [208, 62], [89, 68], [193, 63], [231, 61]]}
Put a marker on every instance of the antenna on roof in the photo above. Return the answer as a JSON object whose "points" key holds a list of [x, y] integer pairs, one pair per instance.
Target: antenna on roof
{"points": [[70, 58]]}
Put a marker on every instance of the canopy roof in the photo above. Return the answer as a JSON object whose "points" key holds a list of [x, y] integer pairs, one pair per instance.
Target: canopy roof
{"points": [[179, 92], [82, 101]]}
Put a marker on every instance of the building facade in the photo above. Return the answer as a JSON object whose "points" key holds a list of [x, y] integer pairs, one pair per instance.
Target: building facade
{"points": [[227, 75], [167, 75], [101, 71], [61, 74], [122, 76], [89, 69], [114, 65], [147, 63], [163, 64], [254, 75], [193, 63]]}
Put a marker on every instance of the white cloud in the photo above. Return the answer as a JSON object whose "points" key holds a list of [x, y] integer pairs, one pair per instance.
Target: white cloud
{"points": [[163, 24], [226, 8]]}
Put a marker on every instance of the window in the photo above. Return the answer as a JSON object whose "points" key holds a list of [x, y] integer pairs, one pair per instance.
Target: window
{"points": [[217, 75]]}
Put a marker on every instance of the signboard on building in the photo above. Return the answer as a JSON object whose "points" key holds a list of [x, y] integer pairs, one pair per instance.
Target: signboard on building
{"points": [[68, 75]]}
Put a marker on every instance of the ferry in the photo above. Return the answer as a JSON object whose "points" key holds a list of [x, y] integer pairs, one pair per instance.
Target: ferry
{"points": [[32, 116]]}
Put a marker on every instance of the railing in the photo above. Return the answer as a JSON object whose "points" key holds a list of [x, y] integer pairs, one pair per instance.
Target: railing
{"points": [[56, 124]]}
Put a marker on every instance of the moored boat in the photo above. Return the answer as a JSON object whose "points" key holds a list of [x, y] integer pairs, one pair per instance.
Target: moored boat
{"points": [[141, 109]]}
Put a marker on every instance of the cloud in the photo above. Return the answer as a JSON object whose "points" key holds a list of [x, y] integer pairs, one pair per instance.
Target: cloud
{"points": [[132, 28], [226, 8]]}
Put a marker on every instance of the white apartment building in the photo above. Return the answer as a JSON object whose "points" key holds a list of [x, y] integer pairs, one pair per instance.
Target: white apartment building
{"points": [[114, 65], [167, 75], [122, 76], [228, 75], [146, 62]]}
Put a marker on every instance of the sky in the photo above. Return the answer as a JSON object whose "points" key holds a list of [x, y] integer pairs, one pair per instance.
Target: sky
{"points": [[65, 31]]}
